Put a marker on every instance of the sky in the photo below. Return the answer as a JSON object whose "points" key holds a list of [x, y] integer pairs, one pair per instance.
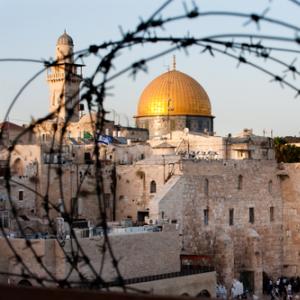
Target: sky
{"points": [[241, 97]]}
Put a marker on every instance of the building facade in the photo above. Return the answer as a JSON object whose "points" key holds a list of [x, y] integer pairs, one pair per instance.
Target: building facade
{"points": [[233, 206]]}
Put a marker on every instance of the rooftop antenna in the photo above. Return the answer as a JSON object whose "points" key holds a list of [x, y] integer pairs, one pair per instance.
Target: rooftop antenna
{"points": [[174, 62]]}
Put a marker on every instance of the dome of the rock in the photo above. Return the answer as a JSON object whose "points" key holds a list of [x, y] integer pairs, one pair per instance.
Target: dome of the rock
{"points": [[175, 94]]}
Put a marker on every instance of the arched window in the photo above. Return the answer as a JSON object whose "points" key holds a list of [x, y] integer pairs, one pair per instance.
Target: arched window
{"points": [[153, 187], [25, 282], [206, 186], [270, 186], [240, 182], [18, 167]]}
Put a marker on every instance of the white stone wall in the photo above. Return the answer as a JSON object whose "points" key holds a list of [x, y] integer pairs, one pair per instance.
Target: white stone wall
{"points": [[133, 183], [187, 200]]}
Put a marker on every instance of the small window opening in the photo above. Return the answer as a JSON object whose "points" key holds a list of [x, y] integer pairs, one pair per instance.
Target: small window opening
{"points": [[231, 216], [74, 207], [153, 187], [21, 195], [251, 215], [240, 182], [271, 213], [205, 214], [88, 158], [206, 187]]}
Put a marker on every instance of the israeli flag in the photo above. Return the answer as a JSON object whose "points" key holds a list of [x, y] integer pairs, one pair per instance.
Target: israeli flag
{"points": [[105, 139]]}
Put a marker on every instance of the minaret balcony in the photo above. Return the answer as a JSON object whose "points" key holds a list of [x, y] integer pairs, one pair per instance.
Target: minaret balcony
{"points": [[57, 76]]}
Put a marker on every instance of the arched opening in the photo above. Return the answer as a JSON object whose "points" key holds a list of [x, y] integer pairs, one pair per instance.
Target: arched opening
{"points": [[25, 282], [206, 187], [240, 182], [153, 187], [204, 294], [18, 167], [267, 288]]}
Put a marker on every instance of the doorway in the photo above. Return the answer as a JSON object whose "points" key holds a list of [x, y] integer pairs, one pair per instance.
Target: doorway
{"points": [[247, 278]]}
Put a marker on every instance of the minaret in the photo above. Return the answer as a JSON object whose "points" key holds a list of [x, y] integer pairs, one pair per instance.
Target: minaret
{"points": [[64, 79]]}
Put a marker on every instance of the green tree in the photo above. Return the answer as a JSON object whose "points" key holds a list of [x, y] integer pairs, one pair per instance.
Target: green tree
{"points": [[286, 152]]}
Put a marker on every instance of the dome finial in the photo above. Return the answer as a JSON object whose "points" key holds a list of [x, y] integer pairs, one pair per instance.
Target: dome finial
{"points": [[174, 62]]}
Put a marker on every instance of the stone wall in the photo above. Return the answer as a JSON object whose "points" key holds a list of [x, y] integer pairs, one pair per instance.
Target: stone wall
{"points": [[201, 202], [290, 178], [77, 181], [191, 285], [138, 255], [134, 184]]}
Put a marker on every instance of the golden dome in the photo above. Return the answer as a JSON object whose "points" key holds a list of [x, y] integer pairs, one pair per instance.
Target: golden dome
{"points": [[186, 97]]}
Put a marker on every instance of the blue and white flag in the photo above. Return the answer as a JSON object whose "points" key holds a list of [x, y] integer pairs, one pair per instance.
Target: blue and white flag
{"points": [[105, 139]]}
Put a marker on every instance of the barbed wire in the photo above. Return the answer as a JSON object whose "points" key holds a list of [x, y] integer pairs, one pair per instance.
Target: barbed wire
{"points": [[243, 48]]}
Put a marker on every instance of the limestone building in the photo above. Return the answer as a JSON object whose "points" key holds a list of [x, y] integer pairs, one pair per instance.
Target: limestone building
{"points": [[234, 207]]}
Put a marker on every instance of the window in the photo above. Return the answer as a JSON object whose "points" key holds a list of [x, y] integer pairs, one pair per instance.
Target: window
{"points": [[206, 187], [74, 207], [88, 158], [205, 214], [271, 213], [231, 216], [240, 182], [18, 168], [21, 195], [270, 186], [4, 219], [153, 187], [251, 215]]}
